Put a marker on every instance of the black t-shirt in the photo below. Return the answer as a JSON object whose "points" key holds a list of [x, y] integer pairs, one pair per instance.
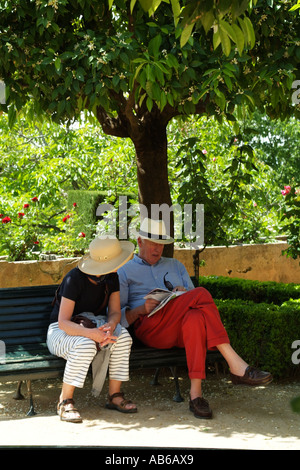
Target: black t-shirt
{"points": [[87, 296]]}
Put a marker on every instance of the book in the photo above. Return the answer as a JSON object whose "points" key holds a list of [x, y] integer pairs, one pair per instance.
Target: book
{"points": [[163, 296]]}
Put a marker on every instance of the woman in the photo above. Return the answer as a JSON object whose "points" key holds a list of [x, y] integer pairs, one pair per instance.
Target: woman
{"points": [[91, 292]]}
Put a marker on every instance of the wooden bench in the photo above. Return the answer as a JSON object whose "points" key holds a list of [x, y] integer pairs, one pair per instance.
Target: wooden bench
{"points": [[24, 319]]}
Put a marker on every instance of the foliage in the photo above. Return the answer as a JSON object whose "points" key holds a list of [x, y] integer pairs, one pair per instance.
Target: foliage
{"points": [[46, 161], [222, 172], [262, 333], [222, 287], [291, 220], [76, 55], [261, 318]]}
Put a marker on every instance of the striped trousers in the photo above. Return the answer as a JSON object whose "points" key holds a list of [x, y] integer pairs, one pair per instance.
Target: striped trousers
{"points": [[79, 353]]}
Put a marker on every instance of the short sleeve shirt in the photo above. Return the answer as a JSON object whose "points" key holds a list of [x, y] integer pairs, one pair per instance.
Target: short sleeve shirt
{"points": [[87, 296]]}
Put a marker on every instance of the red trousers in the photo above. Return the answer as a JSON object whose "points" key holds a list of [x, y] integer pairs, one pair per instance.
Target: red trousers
{"points": [[191, 321]]}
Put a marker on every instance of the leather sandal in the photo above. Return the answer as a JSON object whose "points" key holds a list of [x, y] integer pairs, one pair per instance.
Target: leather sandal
{"points": [[67, 412], [122, 406]]}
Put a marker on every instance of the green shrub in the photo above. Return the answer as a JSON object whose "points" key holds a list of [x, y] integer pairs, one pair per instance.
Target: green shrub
{"points": [[263, 333], [234, 288]]}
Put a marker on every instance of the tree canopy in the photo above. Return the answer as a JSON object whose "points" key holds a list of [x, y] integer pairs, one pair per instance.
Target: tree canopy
{"points": [[134, 72]]}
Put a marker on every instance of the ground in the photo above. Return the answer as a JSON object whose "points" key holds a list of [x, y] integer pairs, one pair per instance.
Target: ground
{"points": [[244, 417]]}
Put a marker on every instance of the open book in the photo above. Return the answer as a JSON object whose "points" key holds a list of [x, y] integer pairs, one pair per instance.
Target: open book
{"points": [[163, 296]]}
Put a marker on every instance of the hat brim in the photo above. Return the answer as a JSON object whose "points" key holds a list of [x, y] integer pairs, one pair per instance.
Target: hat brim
{"points": [[96, 268], [163, 240]]}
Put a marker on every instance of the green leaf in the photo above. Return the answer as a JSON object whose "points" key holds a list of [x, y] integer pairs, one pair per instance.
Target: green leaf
{"points": [[250, 31], [225, 42], [207, 20], [154, 45], [186, 33], [240, 41]]}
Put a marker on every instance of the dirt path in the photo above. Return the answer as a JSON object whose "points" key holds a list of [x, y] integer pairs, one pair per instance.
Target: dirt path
{"points": [[244, 417]]}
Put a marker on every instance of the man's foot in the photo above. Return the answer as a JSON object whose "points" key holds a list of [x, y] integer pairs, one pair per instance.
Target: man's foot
{"points": [[200, 407], [252, 376]]}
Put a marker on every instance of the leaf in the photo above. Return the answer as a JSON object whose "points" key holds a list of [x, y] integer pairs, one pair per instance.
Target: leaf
{"points": [[207, 20], [225, 42], [240, 41], [154, 45], [176, 10], [186, 33], [250, 30], [227, 28]]}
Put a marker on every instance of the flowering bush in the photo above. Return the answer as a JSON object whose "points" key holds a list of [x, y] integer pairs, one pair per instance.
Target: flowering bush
{"points": [[36, 228]]}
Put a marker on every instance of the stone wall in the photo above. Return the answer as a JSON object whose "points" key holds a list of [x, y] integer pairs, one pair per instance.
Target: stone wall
{"points": [[258, 262]]}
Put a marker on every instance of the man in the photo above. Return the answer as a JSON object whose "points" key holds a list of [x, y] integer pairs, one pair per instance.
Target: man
{"points": [[189, 321]]}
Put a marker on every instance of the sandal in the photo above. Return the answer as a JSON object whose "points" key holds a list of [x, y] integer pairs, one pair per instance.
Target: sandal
{"points": [[122, 406], [67, 412]]}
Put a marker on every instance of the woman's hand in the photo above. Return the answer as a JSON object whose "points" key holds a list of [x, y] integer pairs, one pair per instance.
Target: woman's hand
{"points": [[103, 335]]}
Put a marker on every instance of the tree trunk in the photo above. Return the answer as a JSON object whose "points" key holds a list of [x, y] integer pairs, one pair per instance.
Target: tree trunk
{"points": [[149, 136], [152, 175]]}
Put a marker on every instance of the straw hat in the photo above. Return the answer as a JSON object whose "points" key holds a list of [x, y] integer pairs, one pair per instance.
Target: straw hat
{"points": [[105, 255], [155, 230]]}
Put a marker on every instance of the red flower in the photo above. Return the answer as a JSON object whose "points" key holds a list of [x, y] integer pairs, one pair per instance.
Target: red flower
{"points": [[35, 199], [25, 206], [6, 220], [36, 242], [66, 218], [81, 235], [74, 204], [286, 190]]}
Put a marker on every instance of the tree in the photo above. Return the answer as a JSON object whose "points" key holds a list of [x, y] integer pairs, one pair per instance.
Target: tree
{"points": [[133, 74]]}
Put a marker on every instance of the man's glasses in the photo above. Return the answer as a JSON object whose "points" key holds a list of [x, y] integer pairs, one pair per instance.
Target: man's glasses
{"points": [[167, 283]]}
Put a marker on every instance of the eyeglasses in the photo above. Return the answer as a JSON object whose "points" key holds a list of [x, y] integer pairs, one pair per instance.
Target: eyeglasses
{"points": [[167, 283]]}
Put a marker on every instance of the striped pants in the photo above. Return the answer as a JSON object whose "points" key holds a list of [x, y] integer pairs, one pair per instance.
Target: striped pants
{"points": [[79, 353]]}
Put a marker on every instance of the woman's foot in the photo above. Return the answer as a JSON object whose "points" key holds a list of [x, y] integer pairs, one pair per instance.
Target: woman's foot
{"points": [[116, 401], [67, 411]]}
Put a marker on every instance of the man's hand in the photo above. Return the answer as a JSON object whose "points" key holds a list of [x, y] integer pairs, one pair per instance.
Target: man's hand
{"points": [[150, 305], [179, 288]]}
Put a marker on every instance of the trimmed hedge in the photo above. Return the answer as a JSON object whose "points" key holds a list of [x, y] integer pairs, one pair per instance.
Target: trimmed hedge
{"points": [[234, 288], [262, 320], [263, 333]]}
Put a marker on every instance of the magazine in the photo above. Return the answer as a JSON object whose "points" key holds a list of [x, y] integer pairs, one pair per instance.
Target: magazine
{"points": [[163, 296]]}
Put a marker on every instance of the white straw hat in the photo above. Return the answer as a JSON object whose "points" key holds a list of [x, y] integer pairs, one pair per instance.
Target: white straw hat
{"points": [[155, 230], [105, 255]]}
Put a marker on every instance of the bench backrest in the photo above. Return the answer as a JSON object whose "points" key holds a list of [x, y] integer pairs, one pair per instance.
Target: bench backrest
{"points": [[24, 314]]}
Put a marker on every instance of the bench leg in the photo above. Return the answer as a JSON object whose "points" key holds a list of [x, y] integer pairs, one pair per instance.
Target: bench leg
{"points": [[155, 378], [18, 395], [31, 411], [177, 397]]}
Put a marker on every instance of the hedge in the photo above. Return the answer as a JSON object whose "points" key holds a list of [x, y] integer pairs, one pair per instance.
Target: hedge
{"points": [[235, 288], [262, 320]]}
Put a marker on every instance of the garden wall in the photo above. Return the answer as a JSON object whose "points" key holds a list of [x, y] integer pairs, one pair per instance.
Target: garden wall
{"points": [[256, 262]]}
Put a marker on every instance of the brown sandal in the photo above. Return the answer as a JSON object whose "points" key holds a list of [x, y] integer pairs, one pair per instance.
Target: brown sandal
{"points": [[122, 406], [68, 413]]}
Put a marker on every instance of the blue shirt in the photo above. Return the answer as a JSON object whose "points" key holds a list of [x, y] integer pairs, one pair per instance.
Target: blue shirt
{"points": [[137, 278]]}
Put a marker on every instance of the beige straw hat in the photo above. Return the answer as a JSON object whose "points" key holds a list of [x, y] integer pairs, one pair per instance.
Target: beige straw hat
{"points": [[155, 230], [105, 255]]}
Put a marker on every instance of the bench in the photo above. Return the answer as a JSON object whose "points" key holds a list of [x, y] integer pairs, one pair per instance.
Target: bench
{"points": [[24, 319]]}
